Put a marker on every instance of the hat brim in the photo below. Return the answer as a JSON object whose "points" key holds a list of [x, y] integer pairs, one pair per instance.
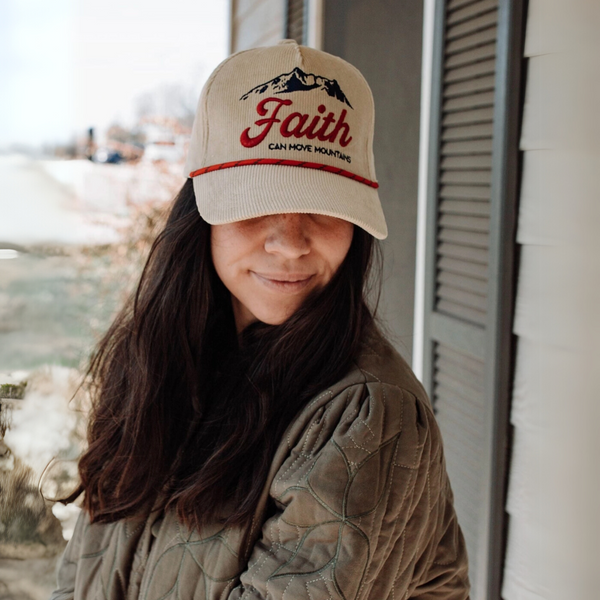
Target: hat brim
{"points": [[250, 191]]}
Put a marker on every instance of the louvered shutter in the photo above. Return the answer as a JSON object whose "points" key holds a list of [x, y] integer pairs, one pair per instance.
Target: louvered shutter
{"points": [[469, 263], [296, 20]]}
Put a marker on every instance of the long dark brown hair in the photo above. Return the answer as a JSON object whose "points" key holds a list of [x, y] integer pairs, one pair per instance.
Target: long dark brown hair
{"points": [[185, 409]]}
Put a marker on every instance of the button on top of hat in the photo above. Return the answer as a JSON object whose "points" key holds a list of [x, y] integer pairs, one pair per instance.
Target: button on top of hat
{"points": [[282, 42]]}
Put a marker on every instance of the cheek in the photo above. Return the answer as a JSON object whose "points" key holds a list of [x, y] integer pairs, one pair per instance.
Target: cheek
{"points": [[218, 252], [226, 249], [338, 244]]}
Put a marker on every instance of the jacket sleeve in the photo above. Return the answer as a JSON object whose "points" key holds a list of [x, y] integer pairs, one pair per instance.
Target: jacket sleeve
{"points": [[364, 508], [67, 564], [442, 571]]}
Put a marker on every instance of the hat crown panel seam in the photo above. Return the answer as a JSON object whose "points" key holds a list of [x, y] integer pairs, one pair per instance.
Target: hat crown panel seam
{"points": [[207, 89], [300, 56]]}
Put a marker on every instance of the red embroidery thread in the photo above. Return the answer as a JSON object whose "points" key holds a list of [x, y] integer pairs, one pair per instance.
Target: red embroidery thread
{"points": [[287, 163], [296, 121]]}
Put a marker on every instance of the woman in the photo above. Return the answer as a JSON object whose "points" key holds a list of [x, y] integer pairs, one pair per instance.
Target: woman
{"points": [[253, 435]]}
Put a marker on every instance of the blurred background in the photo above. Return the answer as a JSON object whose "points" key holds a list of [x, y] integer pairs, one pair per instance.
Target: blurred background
{"points": [[487, 152], [96, 106]]}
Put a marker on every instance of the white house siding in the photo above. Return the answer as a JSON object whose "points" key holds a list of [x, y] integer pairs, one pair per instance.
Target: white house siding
{"points": [[553, 497], [256, 23]]}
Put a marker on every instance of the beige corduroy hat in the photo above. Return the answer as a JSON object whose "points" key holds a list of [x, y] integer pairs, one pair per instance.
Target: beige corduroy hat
{"points": [[285, 128]]}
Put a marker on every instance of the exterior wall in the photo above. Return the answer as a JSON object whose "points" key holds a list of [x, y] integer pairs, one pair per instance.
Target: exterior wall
{"points": [[383, 39], [256, 23], [554, 488]]}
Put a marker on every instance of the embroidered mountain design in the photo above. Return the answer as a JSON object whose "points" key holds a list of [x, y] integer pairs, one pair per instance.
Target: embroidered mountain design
{"points": [[299, 81]]}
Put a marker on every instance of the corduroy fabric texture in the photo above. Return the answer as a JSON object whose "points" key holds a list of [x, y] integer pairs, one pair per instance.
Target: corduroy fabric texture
{"points": [[285, 102]]}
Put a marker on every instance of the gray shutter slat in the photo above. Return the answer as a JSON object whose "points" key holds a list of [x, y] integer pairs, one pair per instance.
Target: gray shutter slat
{"points": [[467, 147], [468, 87], [465, 414], [467, 42], [462, 467], [462, 398], [469, 117], [466, 299], [465, 207], [470, 26], [470, 11], [483, 161], [453, 5], [453, 265], [460, 413], [456, 416], [468, 102], [468, 177], [465, 238], [455, 419], [463, 385], [296, 10], [467, 223], [467, 497], [458, 385], [476, 255], [474, 55], [452, 419], [478, 69], [468, 132], [464, 283], [461, 364], [467, 313], [460, 192], [295, 20]]}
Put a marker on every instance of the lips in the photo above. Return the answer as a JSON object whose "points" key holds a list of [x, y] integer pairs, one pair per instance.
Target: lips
{"points": [[284, 282]]}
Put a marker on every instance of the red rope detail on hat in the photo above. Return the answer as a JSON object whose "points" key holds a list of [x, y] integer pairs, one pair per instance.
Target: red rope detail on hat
{"points": [[288, 163]]}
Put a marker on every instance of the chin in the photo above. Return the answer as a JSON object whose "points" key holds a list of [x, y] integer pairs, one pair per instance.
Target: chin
{"points": [[271, 320], [274, 317]]}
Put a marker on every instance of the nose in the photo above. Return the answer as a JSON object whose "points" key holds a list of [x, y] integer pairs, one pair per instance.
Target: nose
{"points": [[288, 235]]}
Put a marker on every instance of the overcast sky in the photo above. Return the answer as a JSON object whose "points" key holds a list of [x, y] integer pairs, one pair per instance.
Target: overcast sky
{"points": [[67, 65]]}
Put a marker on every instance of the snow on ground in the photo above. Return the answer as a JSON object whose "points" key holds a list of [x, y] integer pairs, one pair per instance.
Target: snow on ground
{"points": [[46, 425], [75, 202], [37, 209], [42, 423]]}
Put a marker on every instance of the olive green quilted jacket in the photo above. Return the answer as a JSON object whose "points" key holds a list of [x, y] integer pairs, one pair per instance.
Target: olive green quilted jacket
{"points": [[357, 506]]}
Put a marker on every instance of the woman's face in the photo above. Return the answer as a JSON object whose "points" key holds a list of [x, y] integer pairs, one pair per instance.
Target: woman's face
{"points": [[270, 264]]}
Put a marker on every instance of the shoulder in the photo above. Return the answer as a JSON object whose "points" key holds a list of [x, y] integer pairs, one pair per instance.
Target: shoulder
{"points": [[365, 452], [378, 413], [379, 361], [385, 396]]}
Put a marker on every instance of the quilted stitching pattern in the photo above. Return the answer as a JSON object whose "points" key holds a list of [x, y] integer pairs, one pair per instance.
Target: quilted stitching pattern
{"points": [[340, 501], [187, 565], [364, 511]]}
